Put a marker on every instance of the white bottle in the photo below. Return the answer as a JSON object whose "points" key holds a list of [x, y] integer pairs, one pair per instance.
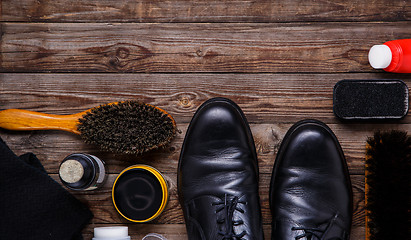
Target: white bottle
{"points": [[111, 233]]}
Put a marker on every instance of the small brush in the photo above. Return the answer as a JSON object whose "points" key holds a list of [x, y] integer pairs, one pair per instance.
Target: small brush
{"points": [[122, 127], [387, 186]]}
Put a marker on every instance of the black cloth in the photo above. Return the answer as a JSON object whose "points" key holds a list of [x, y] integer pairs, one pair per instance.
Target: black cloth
{"points": [[33, 205]]}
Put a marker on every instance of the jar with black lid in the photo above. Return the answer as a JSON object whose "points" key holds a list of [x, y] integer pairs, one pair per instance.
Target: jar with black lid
{"points": [[80, 171]]}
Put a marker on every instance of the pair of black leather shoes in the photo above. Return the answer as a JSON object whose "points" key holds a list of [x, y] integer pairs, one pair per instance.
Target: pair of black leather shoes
{"points": [[310, 191]]}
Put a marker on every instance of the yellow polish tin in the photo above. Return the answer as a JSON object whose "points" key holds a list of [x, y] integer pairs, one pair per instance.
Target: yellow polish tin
{"points": [[140, 193]]}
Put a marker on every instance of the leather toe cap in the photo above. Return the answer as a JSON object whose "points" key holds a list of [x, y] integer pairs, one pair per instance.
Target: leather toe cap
{"points": [[218, 154], [310, 184]]}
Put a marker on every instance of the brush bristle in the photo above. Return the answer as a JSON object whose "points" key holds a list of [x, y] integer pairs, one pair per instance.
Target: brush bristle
{"points": [[388, 178], [127, 127]]}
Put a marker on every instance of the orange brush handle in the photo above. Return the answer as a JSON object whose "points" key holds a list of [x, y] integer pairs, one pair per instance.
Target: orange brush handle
{"points": [[18, 119]]}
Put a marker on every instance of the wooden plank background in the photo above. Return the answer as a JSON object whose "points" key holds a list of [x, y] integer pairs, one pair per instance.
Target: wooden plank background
{"points": [[279, 60], [205, 11], [217, 47]]}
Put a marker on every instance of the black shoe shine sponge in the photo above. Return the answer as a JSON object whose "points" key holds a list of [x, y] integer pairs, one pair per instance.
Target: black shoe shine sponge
{"points": [[370, 99]]}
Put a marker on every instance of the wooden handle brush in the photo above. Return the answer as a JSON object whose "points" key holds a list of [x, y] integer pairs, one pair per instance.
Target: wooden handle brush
{"points": [[121, 127]]}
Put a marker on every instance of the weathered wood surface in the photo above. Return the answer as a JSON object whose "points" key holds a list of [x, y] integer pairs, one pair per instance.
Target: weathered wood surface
{"points": [[271, 102], [218, 47], [265, 98], [204, 11], [279, 60], [51, 147]]}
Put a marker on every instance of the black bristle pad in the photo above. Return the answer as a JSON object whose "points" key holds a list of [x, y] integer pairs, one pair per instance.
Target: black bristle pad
{"points": [[388, 179], [370, 99]]}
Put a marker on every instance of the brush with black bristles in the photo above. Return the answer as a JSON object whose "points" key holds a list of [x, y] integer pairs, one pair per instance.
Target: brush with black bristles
{"points": [[121, 127], [387, 186]]}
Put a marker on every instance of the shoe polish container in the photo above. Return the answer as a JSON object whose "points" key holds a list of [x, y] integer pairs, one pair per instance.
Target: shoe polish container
{"points": [[140, 193], [111, 233], [80, 171]]}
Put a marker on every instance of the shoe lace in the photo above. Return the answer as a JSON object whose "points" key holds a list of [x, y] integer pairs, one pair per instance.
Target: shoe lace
{"points": [[228, 205], [309, 233]]}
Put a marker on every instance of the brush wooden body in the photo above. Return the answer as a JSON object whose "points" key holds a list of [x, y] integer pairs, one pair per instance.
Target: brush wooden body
{"points": [[19, 119], [122, 127]]}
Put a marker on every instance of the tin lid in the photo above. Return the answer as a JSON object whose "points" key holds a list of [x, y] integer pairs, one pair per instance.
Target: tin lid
{"points": [[140, 193]]}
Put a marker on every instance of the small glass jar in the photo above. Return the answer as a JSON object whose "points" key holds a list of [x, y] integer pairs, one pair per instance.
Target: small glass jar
{"points": [[80, 171]]}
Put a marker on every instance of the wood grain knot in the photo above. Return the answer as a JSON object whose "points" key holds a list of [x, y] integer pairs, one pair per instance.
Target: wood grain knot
{"points": [[114, 61], [122, 52], [207, 53], [200, 53], [185, 102], [120, 56]]}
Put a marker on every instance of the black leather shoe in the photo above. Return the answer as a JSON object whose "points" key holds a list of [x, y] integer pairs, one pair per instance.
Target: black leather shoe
{"points": [[310, 190], [218, 175]]}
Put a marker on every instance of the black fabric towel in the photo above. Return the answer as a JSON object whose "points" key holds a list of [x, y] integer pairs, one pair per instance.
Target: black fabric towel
{"points": [[33, 205]]}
